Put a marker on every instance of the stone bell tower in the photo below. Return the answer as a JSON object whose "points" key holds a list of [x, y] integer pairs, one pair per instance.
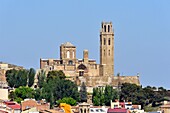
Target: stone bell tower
{"points": [[106, 49]]}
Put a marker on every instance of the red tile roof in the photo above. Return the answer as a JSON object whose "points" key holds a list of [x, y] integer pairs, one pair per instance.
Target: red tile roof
{"points": [[12, 105], [9, 103], [16, 106], [1, 111], [117, 110]]}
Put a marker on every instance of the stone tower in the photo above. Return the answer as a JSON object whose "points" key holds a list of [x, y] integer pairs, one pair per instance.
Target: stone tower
{"points": [[85, 56], [67, 54], [106, 49]]}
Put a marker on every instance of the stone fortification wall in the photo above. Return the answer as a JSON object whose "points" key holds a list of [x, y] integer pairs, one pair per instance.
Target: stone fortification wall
{"points": [[118, 80], [97, 81]]}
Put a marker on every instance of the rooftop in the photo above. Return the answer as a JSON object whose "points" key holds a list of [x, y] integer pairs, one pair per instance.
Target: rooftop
{"points": [[68, 44]]}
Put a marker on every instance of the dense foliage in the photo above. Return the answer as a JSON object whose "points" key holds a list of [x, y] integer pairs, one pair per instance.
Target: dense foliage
{"points": [[41, 78], [129, 93], [54, 87], [17, 78], [57, 87], [67, 100], [143, 96], [103, 95], [83, 93], [31, 76], [22, 93]]}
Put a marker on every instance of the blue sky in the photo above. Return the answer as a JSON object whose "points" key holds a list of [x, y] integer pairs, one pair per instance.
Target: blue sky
{"points": [[34, 29]]}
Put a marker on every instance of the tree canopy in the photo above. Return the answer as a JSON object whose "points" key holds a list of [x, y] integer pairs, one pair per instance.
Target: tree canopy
{"points": [[143, 96], [103, 95], [17, 78], [57, 87], [22, 93], [67, 100], [83, 93]]}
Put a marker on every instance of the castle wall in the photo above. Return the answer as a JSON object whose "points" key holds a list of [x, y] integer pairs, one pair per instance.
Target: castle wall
{"points": [[125, 79], [115, 81]]}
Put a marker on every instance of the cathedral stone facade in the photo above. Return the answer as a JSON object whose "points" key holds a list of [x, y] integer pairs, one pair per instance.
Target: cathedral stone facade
{"points": [[87, 70]]}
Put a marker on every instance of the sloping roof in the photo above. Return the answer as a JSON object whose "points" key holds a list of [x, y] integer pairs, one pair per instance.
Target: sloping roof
{"points": [[67, 44], [117, 110], [165, 106], [16, 106]]}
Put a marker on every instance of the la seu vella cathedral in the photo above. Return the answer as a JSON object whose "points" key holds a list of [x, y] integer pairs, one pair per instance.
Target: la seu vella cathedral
{"points": [[87, 70]]}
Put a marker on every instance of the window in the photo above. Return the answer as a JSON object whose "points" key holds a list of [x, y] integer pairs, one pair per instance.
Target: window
{"points": [[70, 62], [109, 41], [104, 52], [81, 73], [81, 110], [61, 62], [68, 54], [109, 52], [82, 67], [105, 28], [84, 110], [91, 110]]}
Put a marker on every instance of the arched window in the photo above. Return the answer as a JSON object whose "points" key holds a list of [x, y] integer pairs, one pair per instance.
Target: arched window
{"points": [[68, 54], [104, 41], [82, 67], [104, 28], [109, 41], [84, 110], [81, 111], [108, 28], [70, 62]]}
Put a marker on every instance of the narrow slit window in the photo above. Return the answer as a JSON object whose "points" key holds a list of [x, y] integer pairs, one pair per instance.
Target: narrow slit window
{"points": [[68, 54], [108, 28], [104, 53], [105, 28], [109, 41]]}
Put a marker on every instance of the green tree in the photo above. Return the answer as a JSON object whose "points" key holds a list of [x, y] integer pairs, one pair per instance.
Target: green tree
{"points": [[16, 78], [31, 76], [55, 74], [103, 95], [110, 94], [41, 78], [11, 77], [67, 100], [21, 78], [38, 94], [132, 93], [83, 93], [22, 93], [153, 97], [56, 88], [128, 91]]}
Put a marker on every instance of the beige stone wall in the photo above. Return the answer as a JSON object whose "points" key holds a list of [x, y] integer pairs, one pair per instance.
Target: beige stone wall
{"points": [[4, 94], [95, 81]]}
